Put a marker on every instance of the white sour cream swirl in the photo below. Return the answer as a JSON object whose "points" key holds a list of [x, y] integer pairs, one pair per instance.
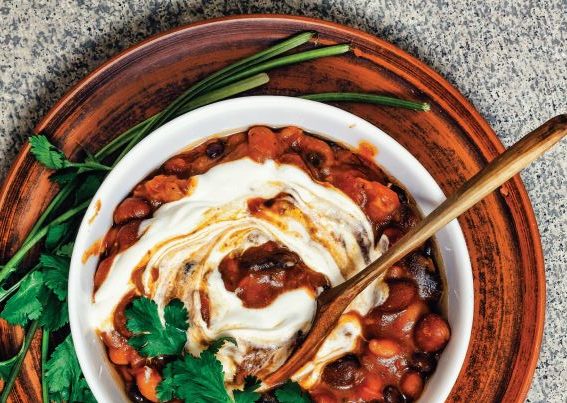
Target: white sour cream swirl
{"points": [[186, 240]]}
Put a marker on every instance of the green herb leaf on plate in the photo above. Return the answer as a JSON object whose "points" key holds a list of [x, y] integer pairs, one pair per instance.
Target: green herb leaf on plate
{"points": [[64, 376], [290, 392], [248, 395], [218, 343], [151, 337], [25, 304], [194, 379]]}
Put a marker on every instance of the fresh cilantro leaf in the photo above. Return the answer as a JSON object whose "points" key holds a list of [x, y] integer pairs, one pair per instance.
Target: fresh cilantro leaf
{"points": [[55, 274], [55, 234], [47, 154], [65, 250], [248, 395], [53, 158], [290, 392], [82, 393], [63, 176], [55, 313], [88, 188], [194, 379], [64, 377], [218, 343], [151, 337], [25, 304]]}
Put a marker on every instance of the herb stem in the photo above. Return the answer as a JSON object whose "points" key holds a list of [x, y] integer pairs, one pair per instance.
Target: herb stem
{"points": [[20, 254], [286, 60], [123, 138], [44, 352], [4, 294], [225, 92], [9, 384], [367, 98]]}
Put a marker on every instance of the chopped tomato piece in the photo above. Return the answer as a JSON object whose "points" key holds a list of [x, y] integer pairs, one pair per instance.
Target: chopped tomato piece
{"points": [[163, 189]]}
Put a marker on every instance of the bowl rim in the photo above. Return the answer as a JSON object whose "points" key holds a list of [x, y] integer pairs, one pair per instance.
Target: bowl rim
{"points": [[83, 242]]}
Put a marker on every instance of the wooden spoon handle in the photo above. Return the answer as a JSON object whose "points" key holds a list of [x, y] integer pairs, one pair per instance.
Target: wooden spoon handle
{"points": [[502, 168], [333, 302]]}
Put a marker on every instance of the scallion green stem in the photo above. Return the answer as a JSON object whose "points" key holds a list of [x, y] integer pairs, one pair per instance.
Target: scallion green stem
{"points": [[9, 384], [368, 99], [5, 294], [225, 92], [285, 61], [44, 352]]}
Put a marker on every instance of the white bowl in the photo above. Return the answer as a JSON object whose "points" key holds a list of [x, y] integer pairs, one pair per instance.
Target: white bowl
{"points": [[229, 117]]}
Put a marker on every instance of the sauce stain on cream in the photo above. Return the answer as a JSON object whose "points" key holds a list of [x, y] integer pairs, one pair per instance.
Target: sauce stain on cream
{"points": [[186, 240]]}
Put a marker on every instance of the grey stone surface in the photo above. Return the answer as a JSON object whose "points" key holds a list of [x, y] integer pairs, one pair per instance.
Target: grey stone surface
{"points": [[508, 57]]}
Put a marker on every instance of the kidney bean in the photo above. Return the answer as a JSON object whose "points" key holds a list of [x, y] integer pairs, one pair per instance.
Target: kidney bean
{"points": [[432, 333], [263, 144], [401, 294], [147, 380], [119, 356], [131, 208], [343, 373], [411, 384], [127, 235]]}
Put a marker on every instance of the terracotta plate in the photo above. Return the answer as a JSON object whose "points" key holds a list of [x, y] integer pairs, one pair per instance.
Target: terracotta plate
{"points": [[452, 141]]}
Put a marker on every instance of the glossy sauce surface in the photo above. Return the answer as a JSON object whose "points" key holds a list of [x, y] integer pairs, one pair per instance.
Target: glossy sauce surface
{"points": [[402, 338]]}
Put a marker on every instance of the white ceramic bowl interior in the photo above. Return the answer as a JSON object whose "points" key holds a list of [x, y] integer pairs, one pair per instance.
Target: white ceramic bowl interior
{"points": [[230, 117]]}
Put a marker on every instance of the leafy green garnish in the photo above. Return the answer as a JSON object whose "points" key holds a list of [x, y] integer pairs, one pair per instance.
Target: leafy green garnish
{"points": [[218, 343], [47, 154], [248, 395], [201, 379], [25, 305], [42, 295], [64, 377], [56, 234], [290, 392], [151, 337], [194, 380], [53, 158], [55, 274]]}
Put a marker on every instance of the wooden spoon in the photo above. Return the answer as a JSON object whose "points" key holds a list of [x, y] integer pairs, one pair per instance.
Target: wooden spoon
{"points": [[332, 303]]}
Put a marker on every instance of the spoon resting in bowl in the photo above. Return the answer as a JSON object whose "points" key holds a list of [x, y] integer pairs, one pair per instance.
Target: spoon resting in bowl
{"points": [[332, 303]]}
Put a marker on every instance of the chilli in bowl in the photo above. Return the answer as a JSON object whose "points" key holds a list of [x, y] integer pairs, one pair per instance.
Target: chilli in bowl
{"points": [[244, 232]]}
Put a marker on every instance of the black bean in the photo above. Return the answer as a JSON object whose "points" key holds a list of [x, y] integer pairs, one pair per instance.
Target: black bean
{"points": [[135, 395], [393, 395], [400, 192], [422, 362], [215, 150], [314, 159]]}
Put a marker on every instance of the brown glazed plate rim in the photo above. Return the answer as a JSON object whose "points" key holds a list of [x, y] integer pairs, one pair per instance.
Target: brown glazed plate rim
{"points": [[465, 115]]}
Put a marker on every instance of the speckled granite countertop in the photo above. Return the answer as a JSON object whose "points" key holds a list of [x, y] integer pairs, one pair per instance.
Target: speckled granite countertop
{"points": [[508, 57]]}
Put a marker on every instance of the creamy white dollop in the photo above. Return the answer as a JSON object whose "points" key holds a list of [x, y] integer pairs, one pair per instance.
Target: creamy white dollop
{"points": [[187, 239]]}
